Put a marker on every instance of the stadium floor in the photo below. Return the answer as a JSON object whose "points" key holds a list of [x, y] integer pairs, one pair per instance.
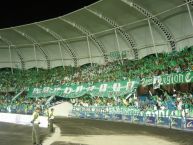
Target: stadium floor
{"points": [[12, 134], [95, 132]]}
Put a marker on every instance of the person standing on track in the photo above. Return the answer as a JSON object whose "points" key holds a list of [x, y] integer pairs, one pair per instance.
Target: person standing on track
{"points": [[51, 120], [35, 130]]}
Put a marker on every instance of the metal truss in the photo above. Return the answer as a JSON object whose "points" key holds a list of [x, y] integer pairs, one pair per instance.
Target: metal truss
{"points": [[64, 43], [123, 33], [10, 44], [35, 44], [168, 35], [90, 35]]}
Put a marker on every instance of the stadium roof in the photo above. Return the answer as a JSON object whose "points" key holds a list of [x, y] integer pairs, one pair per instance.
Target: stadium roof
{"points": [[89, 35]]}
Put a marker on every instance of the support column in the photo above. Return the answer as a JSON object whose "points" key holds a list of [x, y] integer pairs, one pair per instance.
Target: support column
{"points": [[10, 57], [90, 55], [118, 44], [35, 56], [61, 54], [152, 37], [190, 15]]}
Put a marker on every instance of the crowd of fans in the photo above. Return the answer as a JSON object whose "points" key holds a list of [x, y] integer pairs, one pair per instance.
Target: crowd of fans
{"points": [[149, 66], [21, 105], [165, 101], [117, 70]]}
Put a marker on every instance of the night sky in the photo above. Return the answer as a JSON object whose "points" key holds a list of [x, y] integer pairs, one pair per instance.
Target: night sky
{"points": [[15, 12]]}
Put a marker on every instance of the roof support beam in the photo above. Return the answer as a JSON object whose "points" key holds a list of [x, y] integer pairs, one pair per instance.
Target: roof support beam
{"points": [[63, 43], [10, 57], [35, 57], [61, 54], [118, 45], [123, 33], [168, 35], [10, 44], [189, 12], [97, 42], [152, 36], [35, 43], [89, 50]]}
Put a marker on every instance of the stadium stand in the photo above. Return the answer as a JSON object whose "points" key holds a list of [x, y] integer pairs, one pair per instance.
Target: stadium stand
{"points": [[147, 67]]}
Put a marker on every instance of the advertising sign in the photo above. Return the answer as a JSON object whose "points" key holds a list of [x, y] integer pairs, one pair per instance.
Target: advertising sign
{"points": [[91, 115], [189, 124], [127, 118], [176, 122], [118, 116], [138, 119], [108, 116], [82, 115], [163, 121], [150, 120], [101, 116], [22, 119]]}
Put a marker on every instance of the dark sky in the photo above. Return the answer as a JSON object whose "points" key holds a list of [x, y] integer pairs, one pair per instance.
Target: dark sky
{"points": [[16, 12]]}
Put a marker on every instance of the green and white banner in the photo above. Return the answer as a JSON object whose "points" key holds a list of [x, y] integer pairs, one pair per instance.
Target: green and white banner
{"points": [[109, 89], [105, 89], [175, 78]]}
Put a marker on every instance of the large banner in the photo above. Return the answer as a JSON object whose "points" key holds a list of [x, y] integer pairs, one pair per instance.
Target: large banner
{"points": [[109, 89], [175, 78], [105, 89]]}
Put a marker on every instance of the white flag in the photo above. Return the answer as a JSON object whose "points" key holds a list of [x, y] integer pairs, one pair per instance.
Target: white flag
{"points": [[156, 82]]}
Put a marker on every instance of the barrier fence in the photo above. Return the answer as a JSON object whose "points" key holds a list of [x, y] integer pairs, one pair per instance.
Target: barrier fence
{"points": [[22, 119], [159, 118]]}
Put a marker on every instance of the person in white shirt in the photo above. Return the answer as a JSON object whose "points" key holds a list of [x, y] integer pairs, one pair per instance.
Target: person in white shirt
{"points": [[179, 104], [35, 130]]}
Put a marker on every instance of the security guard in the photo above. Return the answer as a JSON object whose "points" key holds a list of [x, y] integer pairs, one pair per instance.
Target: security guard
{"points": [[47, 113], [51, 119], [35, 130]]}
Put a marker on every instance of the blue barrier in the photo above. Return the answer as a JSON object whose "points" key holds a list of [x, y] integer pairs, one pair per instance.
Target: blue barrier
{"points": [[189, 124], [127, 118], [118, 117], [91, 115], [152, 118], [176, 122], [163, 122], [108, 116], [138, 119], [82, 115], [101, 116]]}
